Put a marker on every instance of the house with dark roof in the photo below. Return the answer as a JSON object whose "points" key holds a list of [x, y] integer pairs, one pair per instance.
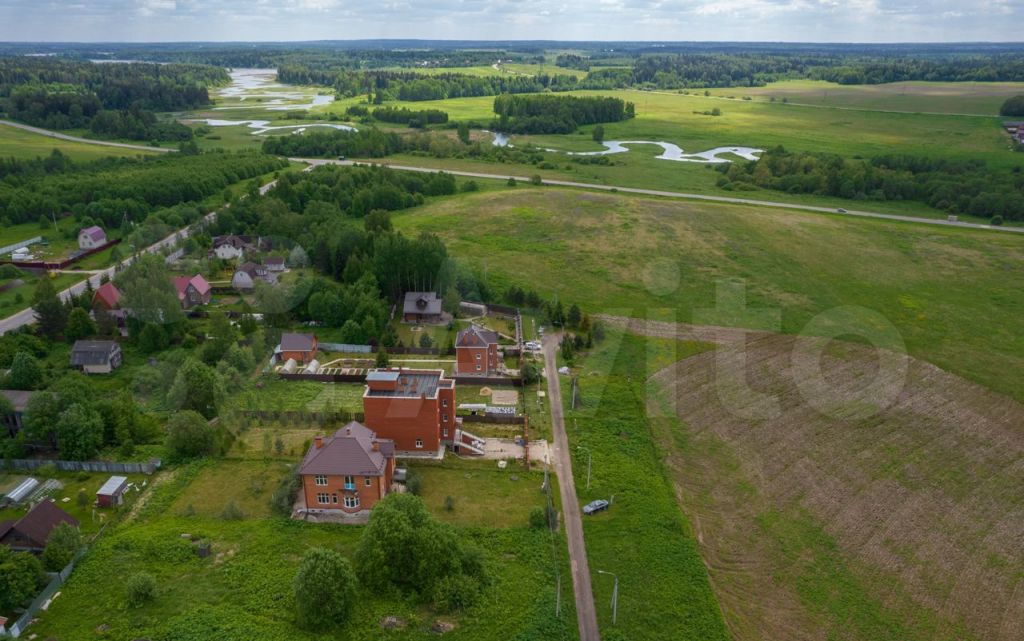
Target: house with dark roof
{"points": [[30, 532], [106, 297], [476, 352], [19, 401], [91, 238], [349, 471], [275, 264], [96, 357], [298, 347], [421, 307], [247, 275], [192, 290], [232, 246]]}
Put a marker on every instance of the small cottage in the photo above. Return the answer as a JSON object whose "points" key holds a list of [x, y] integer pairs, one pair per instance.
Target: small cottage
{"points": [[112, 492], [91, 238], [96, 357]]}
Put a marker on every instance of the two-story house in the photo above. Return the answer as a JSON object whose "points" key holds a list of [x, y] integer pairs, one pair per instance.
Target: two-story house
{"points": [[476, 352], [192, 290], [91, 238], [349, 471]]}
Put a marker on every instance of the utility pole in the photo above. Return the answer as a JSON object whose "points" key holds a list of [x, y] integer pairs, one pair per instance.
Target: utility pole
{"points": [[590, 460], [615, 595]]}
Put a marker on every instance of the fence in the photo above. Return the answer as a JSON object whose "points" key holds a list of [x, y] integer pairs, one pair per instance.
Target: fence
{"points": [[346, 348], [25, 243], [84, 466], [497, 419], [42, 600], [60, 264], [324, 378], [491, 381], [300, 416]]}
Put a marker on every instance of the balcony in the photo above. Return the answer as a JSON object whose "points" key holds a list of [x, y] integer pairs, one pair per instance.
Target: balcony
{"points": [[350, 486]]}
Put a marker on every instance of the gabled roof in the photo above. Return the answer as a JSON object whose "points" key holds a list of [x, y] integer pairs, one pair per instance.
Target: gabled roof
{"points": [[92, 352], [476, 336], [95, 233], [17, 398], [40, 521], [249, 268], [181, 284], [274, 260], [109, 294], [233, 240], [292, 342], [349, 452], [421, 303]]}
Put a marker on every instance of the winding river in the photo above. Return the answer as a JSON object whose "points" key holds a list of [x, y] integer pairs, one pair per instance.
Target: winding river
{"points": [[670, 151]]}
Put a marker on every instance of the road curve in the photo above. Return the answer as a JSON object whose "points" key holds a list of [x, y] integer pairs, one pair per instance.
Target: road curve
{"points": [[586, 613], [680, 195], [88, 141]]}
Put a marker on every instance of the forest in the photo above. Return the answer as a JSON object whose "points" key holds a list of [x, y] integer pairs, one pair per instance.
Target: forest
{"points": [[549, 114], [416, 119], [111, 100], [956, 186], [111, 191]]}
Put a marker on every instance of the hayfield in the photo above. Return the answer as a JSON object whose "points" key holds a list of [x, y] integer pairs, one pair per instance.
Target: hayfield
{"points": [[873, 521], [22, 144], [951, 294]]}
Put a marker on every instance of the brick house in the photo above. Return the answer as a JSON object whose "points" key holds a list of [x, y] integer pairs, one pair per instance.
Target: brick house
{"points": [[476, 352], [413, 408], [91, 238], [29, 533], [421, 307], [192, 290], [299, 347], [349, 471]]}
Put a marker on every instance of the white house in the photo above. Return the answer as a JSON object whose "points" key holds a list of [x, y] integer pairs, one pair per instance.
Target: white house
{"points": [[91, 237]]}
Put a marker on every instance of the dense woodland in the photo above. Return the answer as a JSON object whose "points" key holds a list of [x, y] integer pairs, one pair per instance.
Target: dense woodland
{"points": [[548, 114], [110, 100], [956, 186]]}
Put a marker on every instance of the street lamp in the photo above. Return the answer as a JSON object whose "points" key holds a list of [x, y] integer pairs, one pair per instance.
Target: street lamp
{"points": [[615, 595], [590, 459]]}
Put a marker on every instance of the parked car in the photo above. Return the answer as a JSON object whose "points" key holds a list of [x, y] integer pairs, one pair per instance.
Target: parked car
{"points": [[841, 210], [595, 506]]}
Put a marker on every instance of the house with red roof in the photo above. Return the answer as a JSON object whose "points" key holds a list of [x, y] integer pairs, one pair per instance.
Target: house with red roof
{"points": [[192, 290], [30, 532], [107, 297], [349, 471], [91, 237]]}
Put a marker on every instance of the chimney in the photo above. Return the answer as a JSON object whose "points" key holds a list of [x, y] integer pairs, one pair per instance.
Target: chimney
{"points": [[376, 446], [348, 431], [319, 440]]}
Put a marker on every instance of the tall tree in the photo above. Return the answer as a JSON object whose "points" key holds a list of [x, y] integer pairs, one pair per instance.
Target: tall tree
{"points": [[189, 435], [21, 574], [79, 325], [196, 387], [79, 432], [51, 313], [25, 372]]}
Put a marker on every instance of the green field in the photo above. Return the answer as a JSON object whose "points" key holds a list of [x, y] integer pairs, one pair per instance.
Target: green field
{"points": [[979, 98], [950, 293], [22, 144], [245, 587]]}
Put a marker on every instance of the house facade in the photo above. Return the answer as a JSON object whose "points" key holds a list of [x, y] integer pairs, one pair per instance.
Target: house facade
{"points": [[349, 471], [91, 238], [19, 403], [247, 275], [413, 408], [476, 352], [421, 307], [30, 532], [96, 357], [298, 347], [192, 290], [231, 247]]}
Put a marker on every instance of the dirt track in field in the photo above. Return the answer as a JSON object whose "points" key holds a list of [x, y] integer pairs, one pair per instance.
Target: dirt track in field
{"points": [[924, 498]]}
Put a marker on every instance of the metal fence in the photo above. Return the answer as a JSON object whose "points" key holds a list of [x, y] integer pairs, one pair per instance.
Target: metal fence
{"points": [[346, 348], [42, 600], [83, 466], [25, 243]]}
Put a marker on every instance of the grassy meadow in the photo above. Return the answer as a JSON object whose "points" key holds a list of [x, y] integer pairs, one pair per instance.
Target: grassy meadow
{"points": [[950, 293], [21, 144]]}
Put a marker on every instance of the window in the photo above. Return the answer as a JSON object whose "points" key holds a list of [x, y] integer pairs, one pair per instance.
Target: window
{"points": [[478, 356], [323, 498], [350, 482], [444, 432], [369, 481], [444, 402], [320, 479], [352, 501], [444, 417], [478, 367], [334, 499], [419, 442]]}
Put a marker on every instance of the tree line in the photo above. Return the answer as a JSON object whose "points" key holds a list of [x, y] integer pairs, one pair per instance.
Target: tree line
{"points": [[404, 116], [550, 114]]}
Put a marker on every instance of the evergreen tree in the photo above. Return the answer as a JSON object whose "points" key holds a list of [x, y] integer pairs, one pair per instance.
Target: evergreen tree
{"points": [[51, 313]]}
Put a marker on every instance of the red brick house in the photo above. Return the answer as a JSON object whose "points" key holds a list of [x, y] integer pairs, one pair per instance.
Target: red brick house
{"points": [[192, 290], [300, 347], [107, 297], [413, 408], [349, 471], [476, 352], [30, 532]]}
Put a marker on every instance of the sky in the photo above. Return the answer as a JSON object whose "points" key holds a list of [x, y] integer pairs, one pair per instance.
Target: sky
{"points": [[672, 20]]}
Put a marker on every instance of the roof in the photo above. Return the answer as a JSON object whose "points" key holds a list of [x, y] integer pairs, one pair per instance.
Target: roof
{"points": [[292, 342], [411, 383], [274, 260], [240, 242], [40, 521], [475, 336], [96, 233], [349, 452], [113, 484], [249, 268], [382, 375], [92, 352], [109, 294], [17, 398], [181, 284], [421, 303]]}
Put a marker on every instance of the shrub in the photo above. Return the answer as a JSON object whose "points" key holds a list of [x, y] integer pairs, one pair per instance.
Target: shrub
{"points": [[63, 543], [997, 220], [414, 482], [538, 518], [232, 512], [325, 589], [283, 497], [140, 589], [449, 503], [456, 592]]}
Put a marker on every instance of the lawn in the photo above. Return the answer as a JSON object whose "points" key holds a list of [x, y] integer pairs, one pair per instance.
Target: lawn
{"points": [[19, 295], [22, 144], [243, 591], [951, 294], [247, 484]]}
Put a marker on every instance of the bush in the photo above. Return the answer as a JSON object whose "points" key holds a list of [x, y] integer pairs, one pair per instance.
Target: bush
{"points": [[538, 517], [455, 593], [414, 482], [189, 436], [63, 544], [140, 589], [325, 589], [449, 503], [283, 498], [232, 512], [997, 220]]}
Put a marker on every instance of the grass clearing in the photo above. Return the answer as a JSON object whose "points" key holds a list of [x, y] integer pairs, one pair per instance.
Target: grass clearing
{"points": [[247, 484], [950, 293], [482, 494], [24, 145]]}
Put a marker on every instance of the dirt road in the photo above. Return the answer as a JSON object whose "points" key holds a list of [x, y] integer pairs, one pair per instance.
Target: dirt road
{"points": [[88, 141], [586, 613]]}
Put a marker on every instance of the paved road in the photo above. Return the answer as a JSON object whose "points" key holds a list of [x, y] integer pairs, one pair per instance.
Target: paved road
{"points": [[586, 613], [682, 195], [27, 316], [104, 143]]}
